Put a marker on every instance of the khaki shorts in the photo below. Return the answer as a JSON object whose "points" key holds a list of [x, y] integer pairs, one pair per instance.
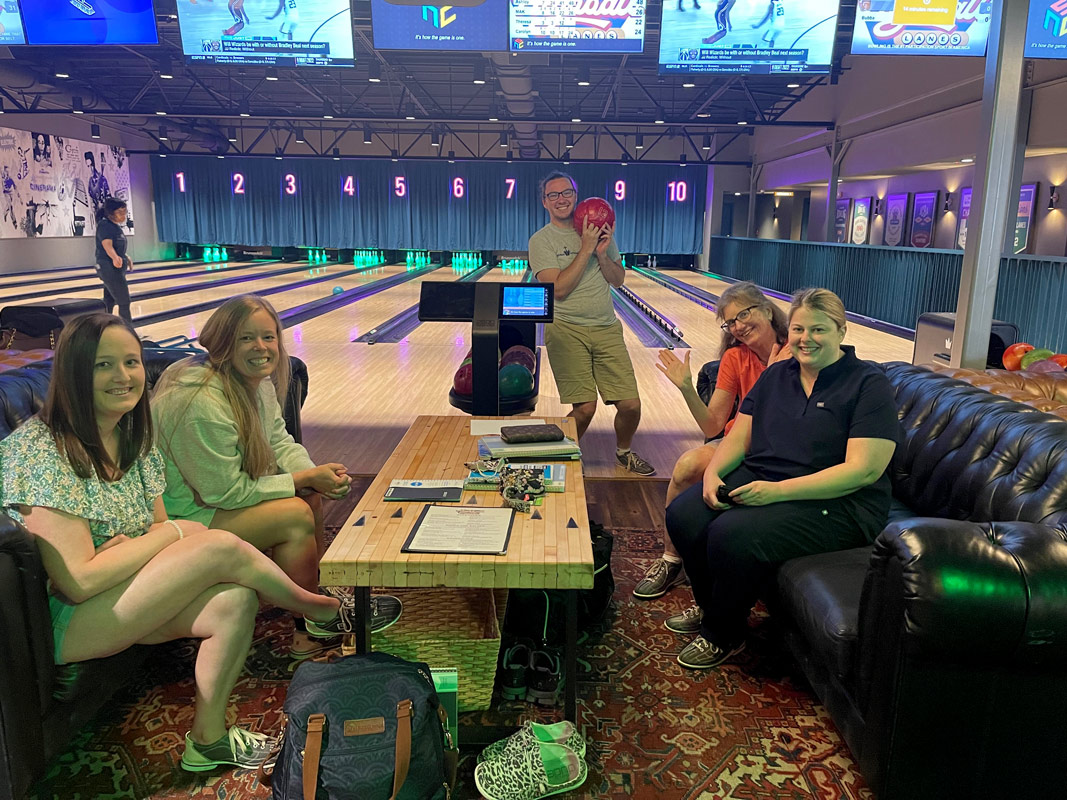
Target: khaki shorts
{"points": [[585, 359]]}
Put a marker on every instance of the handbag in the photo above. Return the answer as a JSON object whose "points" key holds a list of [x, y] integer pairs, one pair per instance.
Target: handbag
{"points": [[364, 727], [37, 326]]}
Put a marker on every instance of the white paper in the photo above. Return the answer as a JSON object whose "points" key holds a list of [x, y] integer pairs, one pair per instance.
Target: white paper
{"points": [[491, 427], [444, 529]]}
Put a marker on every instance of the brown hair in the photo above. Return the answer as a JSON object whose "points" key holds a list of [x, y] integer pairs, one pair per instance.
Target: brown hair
{"points": [[748, 294], [219, 337], [822, 300], [553, 176], [69, 410]]}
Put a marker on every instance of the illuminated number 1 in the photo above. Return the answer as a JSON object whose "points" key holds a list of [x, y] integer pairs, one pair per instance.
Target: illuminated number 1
{"points": [[457, 187], [349, 186], [511, 187], [290, 183], [238, 183], [677, 191], [620, 190], [400, 186], [180, 178]]}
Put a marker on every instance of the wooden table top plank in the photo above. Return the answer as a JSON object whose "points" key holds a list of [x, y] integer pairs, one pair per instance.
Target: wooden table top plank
{"points": [[542, 553]]}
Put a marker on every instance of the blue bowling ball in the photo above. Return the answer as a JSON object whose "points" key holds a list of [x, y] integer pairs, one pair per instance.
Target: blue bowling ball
{"points": [[338, 289]]}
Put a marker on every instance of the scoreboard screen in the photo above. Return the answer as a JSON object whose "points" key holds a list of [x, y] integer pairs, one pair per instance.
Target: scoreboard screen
{"points": [[10, 23], [466, 25], [578, 26], [311, 33], [765, 37], [87, 21], [922, 27]]}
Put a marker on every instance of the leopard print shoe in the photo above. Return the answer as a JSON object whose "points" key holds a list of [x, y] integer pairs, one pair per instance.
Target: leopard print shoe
{"points": [[530, 773], [530, 733]]}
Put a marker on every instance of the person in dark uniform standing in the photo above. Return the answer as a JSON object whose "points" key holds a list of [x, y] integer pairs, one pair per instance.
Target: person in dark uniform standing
{"points": [[802, 471], [112, 263]]}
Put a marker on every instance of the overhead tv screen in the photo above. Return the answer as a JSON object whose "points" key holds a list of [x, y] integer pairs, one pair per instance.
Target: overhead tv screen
{"points": [[922, 27], [1046, 29], [89, 21], [10, 24], [466, 25], [577, 26], [777, 37], [283, 33]]}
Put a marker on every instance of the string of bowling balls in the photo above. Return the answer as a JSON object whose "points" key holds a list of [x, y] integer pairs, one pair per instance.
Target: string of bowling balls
{"points": [[514, 379]]}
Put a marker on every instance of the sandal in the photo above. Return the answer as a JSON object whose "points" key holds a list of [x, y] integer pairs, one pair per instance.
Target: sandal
{"points": [[532, 733], [530, 773]]}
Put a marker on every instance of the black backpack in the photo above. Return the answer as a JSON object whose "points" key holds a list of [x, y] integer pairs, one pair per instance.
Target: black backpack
{"points": [[366, 727]]}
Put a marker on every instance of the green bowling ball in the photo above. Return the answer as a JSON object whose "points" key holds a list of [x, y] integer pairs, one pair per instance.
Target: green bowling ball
{"points": [[515, 380]]}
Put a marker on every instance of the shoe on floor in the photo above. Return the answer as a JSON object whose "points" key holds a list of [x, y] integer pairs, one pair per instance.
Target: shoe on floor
{"points": [[660, 578], [238, 748], [307, 646], [633, 462], [543, 677], [530, 773], [385, 611], [530, 734], [702, 654], [514, 663], [686, 623]]}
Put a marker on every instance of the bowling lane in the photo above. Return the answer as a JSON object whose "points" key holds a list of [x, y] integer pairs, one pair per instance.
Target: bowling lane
{"points": [[48, 277], [189, 325]]}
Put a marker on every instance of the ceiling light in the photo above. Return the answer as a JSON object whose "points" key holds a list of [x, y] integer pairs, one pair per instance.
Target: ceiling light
{"points": [[688, 85], [783, 194], [163, 137], [94, 131], [337, 154], [162, 155], [682, 160], [231, 134], [659, 122], [479, 72], [435, 139], [576, 119], [393, 155], [76, 105], [161, 113], [272, 74], [504, 139], [509, 155], [451, 156], [639, 144], [583, 75], [374, 72], [299, 136], [570, 140], [1, 105], [566, 162], [61, 74], [409, 114], [792, 86], [737, 194], [220, 156], [166, 69], [327, 110], [966, 160], [367, 135], [703, 115], [243, 109], [742, 122], [277, 154], [706, 144]]}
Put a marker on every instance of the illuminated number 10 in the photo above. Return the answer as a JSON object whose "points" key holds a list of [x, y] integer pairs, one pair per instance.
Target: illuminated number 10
{"points": [[180, 178], [457, 187], [290, 183], [677, 191], [620, 190], [349, 186], [511, 187], [400, 186], [238, 183]]}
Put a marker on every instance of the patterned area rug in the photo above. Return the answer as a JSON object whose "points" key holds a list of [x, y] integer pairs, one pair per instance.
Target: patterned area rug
{"points": [[750, 730]]}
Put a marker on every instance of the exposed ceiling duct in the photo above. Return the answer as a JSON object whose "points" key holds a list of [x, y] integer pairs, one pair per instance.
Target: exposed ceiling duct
{"points": [[516, 87]]}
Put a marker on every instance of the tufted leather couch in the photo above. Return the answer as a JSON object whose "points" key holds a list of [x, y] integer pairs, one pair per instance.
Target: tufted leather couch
{"points": [[42, 707], [941, 653], [1043, 391]]}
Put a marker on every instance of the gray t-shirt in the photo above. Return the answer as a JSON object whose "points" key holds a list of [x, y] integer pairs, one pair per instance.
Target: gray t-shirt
{"points": [[589, 303]]}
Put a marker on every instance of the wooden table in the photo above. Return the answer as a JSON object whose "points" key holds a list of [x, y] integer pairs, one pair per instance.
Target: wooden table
{"points": [[553, 552]]}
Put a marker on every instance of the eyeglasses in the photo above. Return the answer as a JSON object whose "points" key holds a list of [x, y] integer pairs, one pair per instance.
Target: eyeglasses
{"points": [[742, 316], [568, 193]]}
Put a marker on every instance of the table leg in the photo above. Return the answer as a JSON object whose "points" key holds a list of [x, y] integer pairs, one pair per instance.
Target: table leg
{"points": [[362, 596], [570, 708]]}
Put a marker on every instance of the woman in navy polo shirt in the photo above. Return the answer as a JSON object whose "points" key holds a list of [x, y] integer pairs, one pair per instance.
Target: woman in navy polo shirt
{"points": [[802, 471]]}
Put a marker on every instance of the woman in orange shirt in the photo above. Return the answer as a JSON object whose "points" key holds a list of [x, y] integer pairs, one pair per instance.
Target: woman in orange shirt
{"points": [[753, 332]]}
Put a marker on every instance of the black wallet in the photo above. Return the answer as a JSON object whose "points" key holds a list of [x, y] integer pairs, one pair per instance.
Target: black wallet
{"points": [[521, 434]]}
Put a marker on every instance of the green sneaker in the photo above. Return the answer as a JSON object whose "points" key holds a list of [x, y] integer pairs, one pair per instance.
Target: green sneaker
{"points": [[238, 748], [530, 734], [530, 773]]}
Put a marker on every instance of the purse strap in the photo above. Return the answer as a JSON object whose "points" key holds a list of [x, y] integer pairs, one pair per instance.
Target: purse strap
{"points": [[313, 750]]}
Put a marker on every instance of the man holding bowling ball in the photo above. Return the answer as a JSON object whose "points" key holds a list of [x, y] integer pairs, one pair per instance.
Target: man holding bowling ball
{"points": [[585, 342]]}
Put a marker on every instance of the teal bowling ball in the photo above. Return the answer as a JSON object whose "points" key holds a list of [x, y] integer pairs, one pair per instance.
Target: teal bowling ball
{"points": [[515, 380], [338, 289]]}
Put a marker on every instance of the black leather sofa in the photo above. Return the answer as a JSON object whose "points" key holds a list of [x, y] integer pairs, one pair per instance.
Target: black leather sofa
{"points": [[42, 707], [941, 653]]}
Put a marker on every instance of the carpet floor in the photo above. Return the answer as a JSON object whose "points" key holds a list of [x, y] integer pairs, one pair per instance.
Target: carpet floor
{"points": [[750, 730]]}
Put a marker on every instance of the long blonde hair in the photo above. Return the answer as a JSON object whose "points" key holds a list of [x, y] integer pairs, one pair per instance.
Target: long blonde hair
{"points": [[748, 294], [219, 337]]}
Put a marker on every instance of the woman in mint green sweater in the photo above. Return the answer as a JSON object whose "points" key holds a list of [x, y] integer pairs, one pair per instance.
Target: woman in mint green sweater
{"points": [[231, 464]]}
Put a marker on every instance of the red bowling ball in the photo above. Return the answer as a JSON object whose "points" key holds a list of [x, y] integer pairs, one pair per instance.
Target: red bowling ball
{"points": [[595, 209], [463, 381]]}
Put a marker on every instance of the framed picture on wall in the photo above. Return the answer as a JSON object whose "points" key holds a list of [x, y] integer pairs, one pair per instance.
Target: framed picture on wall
{"points": [[1024, 222], [861, 221], [896, 219], [924, 218], [965, 213], [842, 219]]}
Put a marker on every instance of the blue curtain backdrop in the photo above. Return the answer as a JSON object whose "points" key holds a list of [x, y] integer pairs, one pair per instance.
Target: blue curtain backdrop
{"points": [[431, 205]]}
